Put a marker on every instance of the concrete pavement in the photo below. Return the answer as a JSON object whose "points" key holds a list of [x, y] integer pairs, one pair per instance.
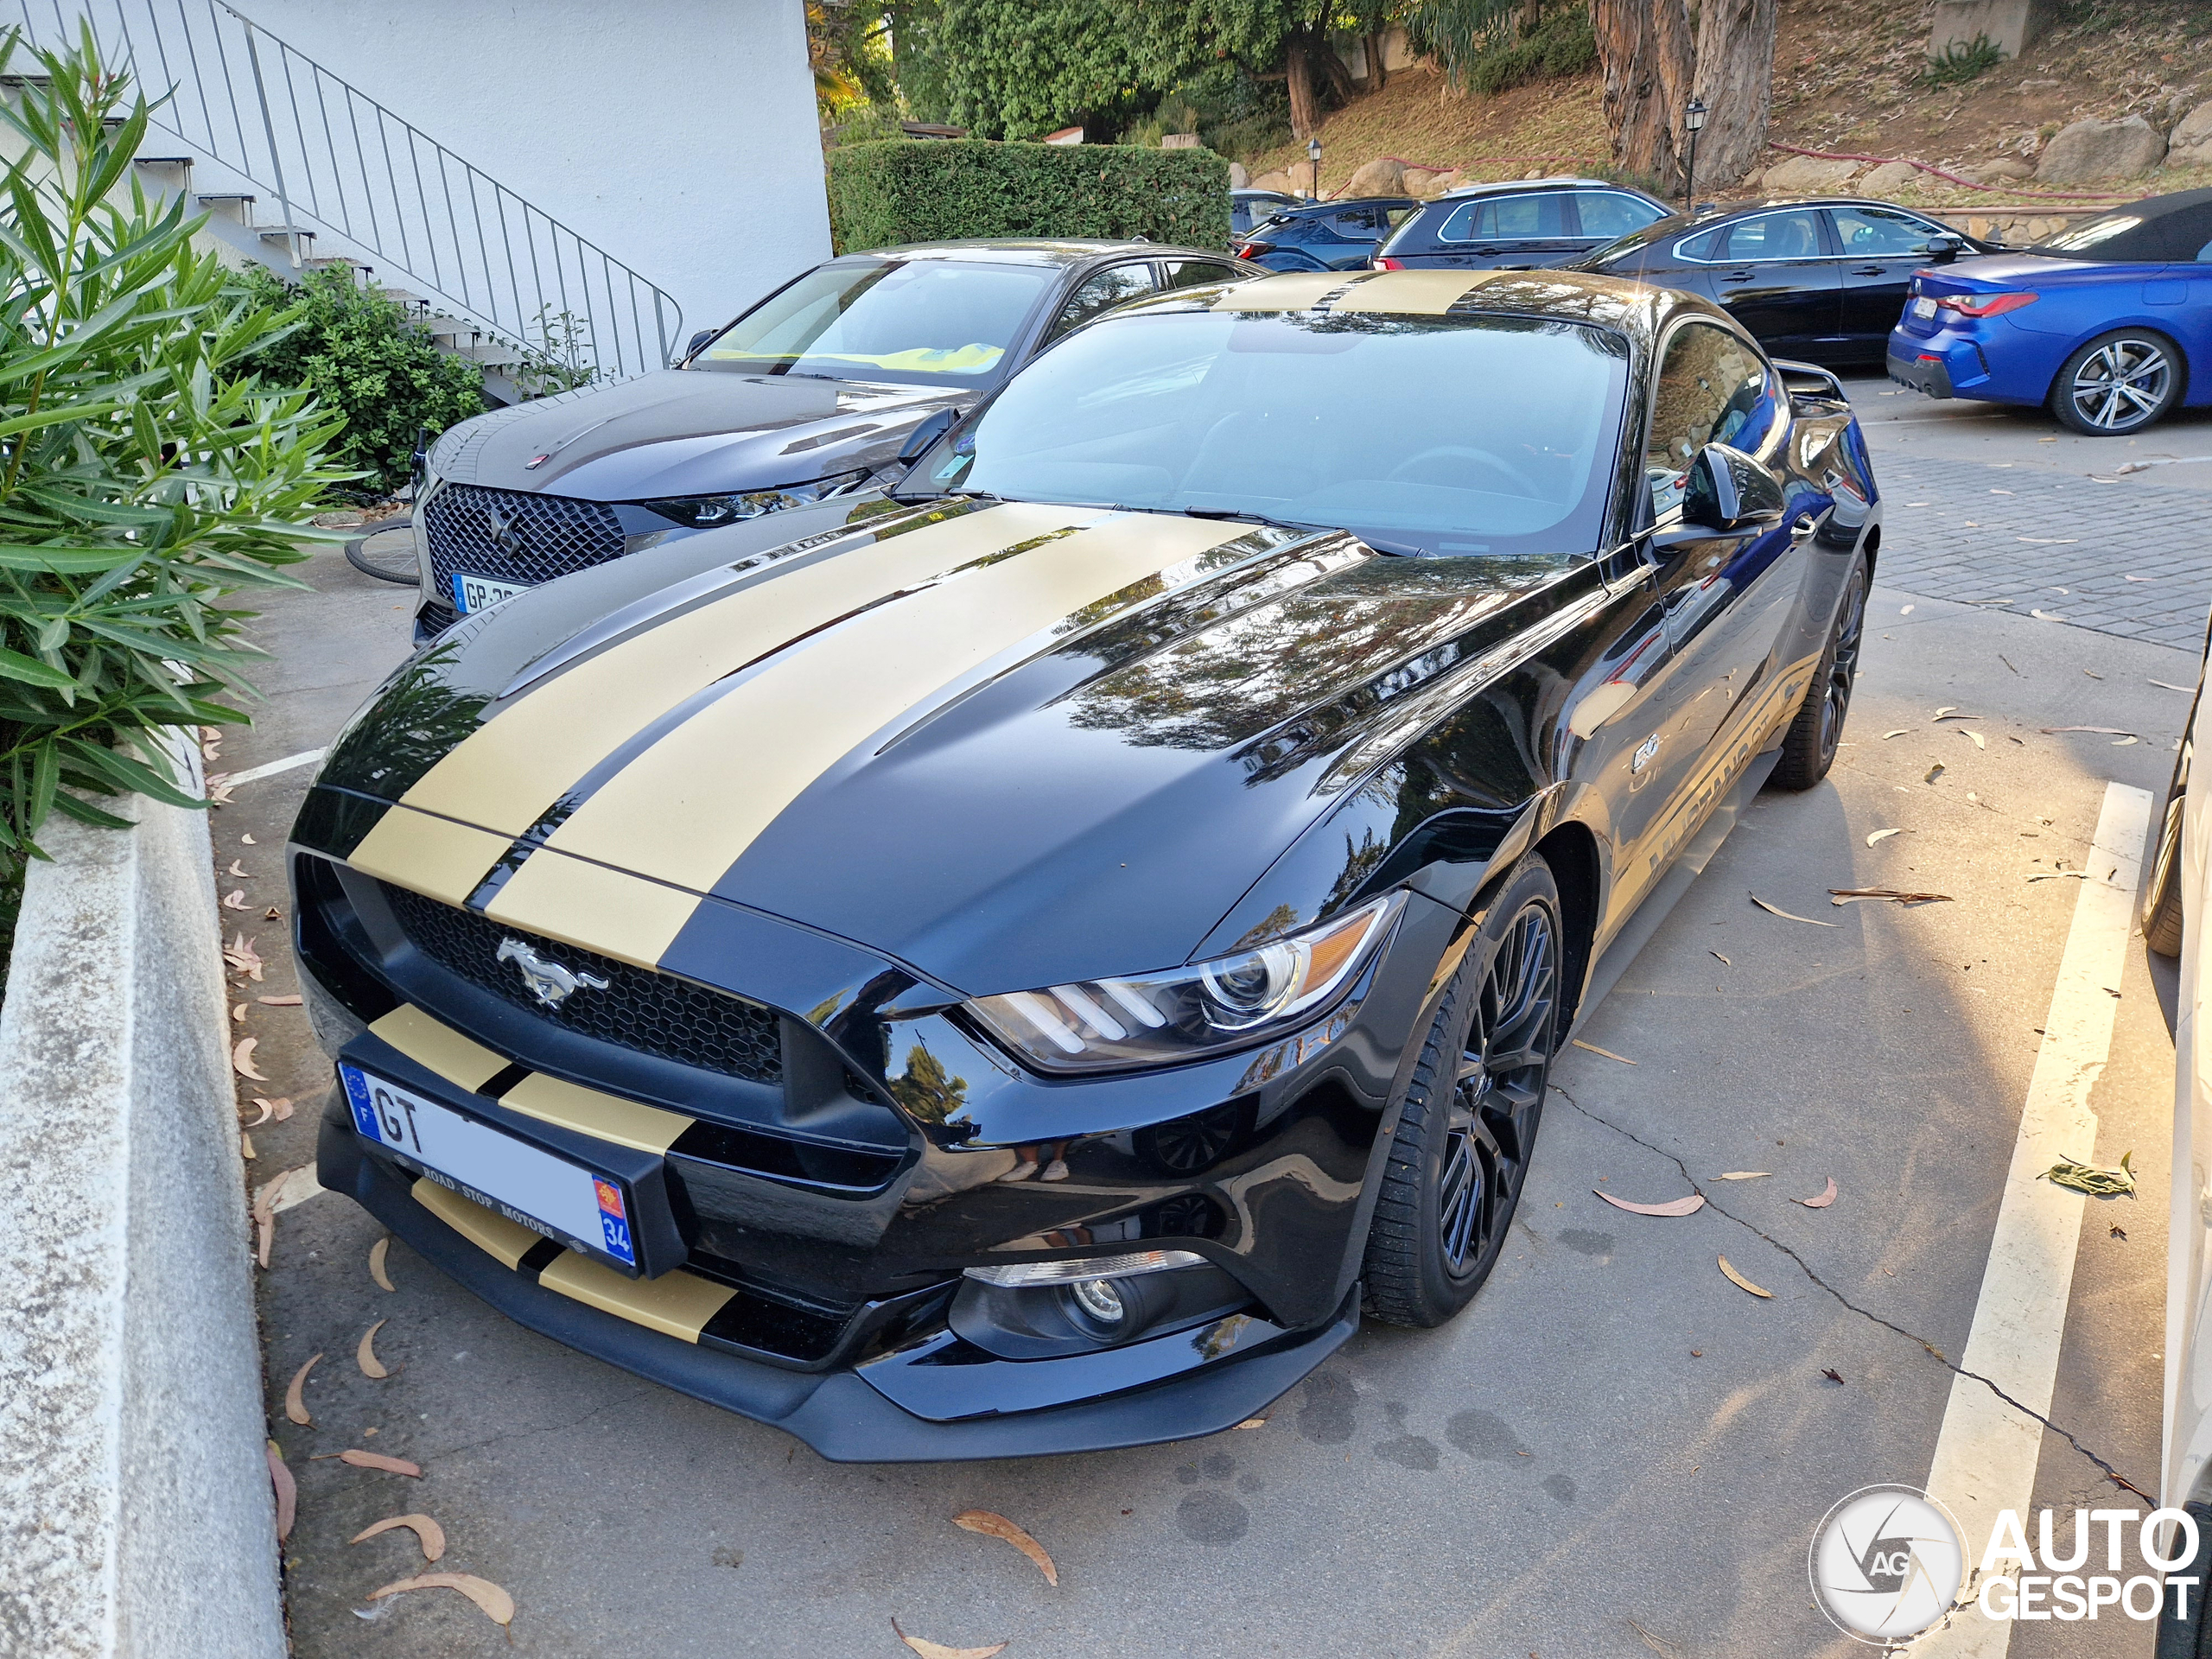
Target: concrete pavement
{"points": [[1615, 1452]]}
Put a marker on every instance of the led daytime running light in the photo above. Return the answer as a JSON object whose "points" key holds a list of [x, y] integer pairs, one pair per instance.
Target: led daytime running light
{"points": [[1018, 1274]]}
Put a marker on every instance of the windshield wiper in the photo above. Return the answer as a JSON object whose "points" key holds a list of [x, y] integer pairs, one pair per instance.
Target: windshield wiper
{"points": [[1239, 515]]}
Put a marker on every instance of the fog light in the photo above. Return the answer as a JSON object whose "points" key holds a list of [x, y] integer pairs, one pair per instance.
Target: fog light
{"points": [[1100, 1298]]}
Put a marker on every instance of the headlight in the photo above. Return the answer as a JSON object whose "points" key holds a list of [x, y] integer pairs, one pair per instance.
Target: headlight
{"points": [[1187, 1013], [705, 512]]}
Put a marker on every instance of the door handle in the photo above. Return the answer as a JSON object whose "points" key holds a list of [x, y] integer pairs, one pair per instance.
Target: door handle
{"points": [[1739, 277], [1870, 270], [1802, 528]]}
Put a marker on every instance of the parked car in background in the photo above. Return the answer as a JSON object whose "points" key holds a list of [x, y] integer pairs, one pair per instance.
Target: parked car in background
{"points": [[2104, 324], [1518, 226], [1248, 207], [1324, 235], [809, 393], [1820, 279], [1021, 970]]}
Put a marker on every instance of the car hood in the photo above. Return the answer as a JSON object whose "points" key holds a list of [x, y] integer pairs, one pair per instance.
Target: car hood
{"points": [[686, 432], [1003, 745]]}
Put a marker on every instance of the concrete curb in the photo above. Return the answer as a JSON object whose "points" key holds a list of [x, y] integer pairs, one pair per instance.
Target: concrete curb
{"points": [[135, 1516]]}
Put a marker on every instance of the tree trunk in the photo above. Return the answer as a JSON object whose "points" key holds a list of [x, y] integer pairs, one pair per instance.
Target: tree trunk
{"points": [[1735, 76], [1304, 96], [1332, 70], [1643, 49], [1376, 75]]}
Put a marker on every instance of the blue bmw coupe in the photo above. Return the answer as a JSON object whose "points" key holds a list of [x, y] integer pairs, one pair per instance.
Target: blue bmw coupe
{"points": [[2104, 324]]}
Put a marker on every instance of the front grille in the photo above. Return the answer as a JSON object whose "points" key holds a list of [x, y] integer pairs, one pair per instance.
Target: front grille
{"points": [[653, 1013], [513, 536]]}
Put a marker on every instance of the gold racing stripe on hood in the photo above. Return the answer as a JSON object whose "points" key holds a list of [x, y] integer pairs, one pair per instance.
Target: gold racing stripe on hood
{"points": [[594, 908], [1415, 293], [506, 774], [1297, 290], [683, 810], [433, 856]]}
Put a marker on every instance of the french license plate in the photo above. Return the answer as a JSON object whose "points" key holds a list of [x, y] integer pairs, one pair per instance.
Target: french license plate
{"points": [[568, 1203], [1924, 307], [482, 593]]}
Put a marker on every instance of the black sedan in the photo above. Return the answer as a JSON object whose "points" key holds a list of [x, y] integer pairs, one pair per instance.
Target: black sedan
{"points": [[809, 394], [1021, 966], [1324, 236], [1522, 225], [1825, 280]]}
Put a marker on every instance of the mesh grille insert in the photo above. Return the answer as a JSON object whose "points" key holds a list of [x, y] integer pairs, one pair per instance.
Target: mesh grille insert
{"points": [[654, 1013], [513, 536]]}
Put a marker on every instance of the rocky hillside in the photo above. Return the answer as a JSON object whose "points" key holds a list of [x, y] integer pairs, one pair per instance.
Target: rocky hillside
{"points": [[2114, 102]]}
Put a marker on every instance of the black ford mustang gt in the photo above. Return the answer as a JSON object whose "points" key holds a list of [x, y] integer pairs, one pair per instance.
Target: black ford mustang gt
{"points": [[1019, 967]]}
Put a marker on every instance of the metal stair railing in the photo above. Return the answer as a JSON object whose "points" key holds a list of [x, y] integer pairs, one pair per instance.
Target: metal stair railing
{"points": [[340, 164]]}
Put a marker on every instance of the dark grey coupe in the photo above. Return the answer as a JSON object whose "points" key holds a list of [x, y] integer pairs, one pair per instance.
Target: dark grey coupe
{"points": [[807, 395]]}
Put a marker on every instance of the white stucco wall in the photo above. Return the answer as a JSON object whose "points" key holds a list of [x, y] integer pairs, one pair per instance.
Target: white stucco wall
{"points": [[680, 135]]}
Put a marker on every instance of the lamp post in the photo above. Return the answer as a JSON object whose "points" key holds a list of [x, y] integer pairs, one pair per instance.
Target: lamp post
{"points": [[1313, 155], [1693, 118]]}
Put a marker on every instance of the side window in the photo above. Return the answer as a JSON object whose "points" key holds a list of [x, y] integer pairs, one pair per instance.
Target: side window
{"points": [[1191, 273], [1792, 235], [1609, 214], [1712, 389], [1497, 218], [1705, 246], [1880, 233], [1354, 224], [1102, 291]]}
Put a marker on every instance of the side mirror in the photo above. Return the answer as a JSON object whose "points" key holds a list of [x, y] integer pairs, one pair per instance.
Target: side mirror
{"points": [[699, 339], [933, 428], [1728, 490], [1942, 247]]}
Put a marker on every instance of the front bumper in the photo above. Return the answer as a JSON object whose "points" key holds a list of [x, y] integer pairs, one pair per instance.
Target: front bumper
{"points": [[1176, 1387]]}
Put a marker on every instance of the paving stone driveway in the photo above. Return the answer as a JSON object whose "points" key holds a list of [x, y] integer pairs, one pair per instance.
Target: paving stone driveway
{"points": [[2128, 557]]}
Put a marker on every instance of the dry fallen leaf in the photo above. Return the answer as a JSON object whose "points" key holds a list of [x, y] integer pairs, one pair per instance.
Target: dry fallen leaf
{"points": [[498, 1604], [1744, 1175], [1948, 708], [1832, 1375], [1607, 1053], [2167, 685], [1688, 1206], [1882, 835], [265, 1229], [1724, 959], [249, 841], [243, 956], [997, 1526], [930, 1649], [378, 1460], [376, 1262], [2122, 742], [1934, 772], [282, 1106], [2101, 731], [1742, 1283], [1900, 732], [1953, 714], [246, 1147], [266, 1110], [1825, 1198], [1249, 1422], [288, 1492], [234, 899], [242, 1059], [428, 1533], [1774, 909], [239, 871], [273, 914], [1853, 895], [278, 1001], [295, 1408], [237, 1014], [2046, 616], [365, 1354], [1964, 731]]}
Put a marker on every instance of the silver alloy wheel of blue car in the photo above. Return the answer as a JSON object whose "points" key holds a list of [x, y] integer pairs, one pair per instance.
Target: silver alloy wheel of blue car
{"points": [[2119, 383]]}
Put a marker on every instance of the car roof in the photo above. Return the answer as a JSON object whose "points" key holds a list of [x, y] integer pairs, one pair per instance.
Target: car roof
{"points": [[1721, 213], [1638, 310], [1500, 187], [1031, 251], [1349, 201]]}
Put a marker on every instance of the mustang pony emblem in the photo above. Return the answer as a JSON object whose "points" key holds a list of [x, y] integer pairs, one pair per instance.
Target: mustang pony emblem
{"points": [[549, 981]]}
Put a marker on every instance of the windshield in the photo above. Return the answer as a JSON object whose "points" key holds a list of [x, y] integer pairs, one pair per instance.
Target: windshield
{"points": [[1487, 435], [916, 322]]}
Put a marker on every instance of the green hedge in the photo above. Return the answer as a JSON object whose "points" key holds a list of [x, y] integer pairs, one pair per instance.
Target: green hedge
{"points": [[910, 190]]}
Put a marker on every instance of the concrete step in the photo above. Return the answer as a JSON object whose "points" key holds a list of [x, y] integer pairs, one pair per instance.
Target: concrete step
{"points": [[184, 161], [283, 234], [489, 353]]}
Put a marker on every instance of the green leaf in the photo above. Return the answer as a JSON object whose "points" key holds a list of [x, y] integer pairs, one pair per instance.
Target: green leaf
{"points": [[16, 666]]}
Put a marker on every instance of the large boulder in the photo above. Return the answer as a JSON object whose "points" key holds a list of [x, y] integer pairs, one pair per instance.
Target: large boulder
{"points": [[1277, 181], [1301, 175], [2094, 150], [2192, 144], [1888, 177], [1380, 177], [1808, 176], [2004, 167], [1238, 178], [1433, 185]]}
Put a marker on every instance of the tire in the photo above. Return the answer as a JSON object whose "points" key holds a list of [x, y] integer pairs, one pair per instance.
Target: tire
{"points": [[2162, 911], [388, 558], [1808, 750], [1460, 1155], [2119, 383]]}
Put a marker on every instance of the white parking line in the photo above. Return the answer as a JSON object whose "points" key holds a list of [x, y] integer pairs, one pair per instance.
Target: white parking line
{"points": [[1985, 1453], [233, 780]]}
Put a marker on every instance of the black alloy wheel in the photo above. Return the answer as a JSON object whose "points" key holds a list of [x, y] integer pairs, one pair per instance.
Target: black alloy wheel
{"points": [[2119, 383], [1809, 748], [1468, 1125]]}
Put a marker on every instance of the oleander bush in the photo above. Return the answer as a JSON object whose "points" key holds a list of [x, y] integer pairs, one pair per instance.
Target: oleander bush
{"points": [[146, 472], [882, 195]]}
